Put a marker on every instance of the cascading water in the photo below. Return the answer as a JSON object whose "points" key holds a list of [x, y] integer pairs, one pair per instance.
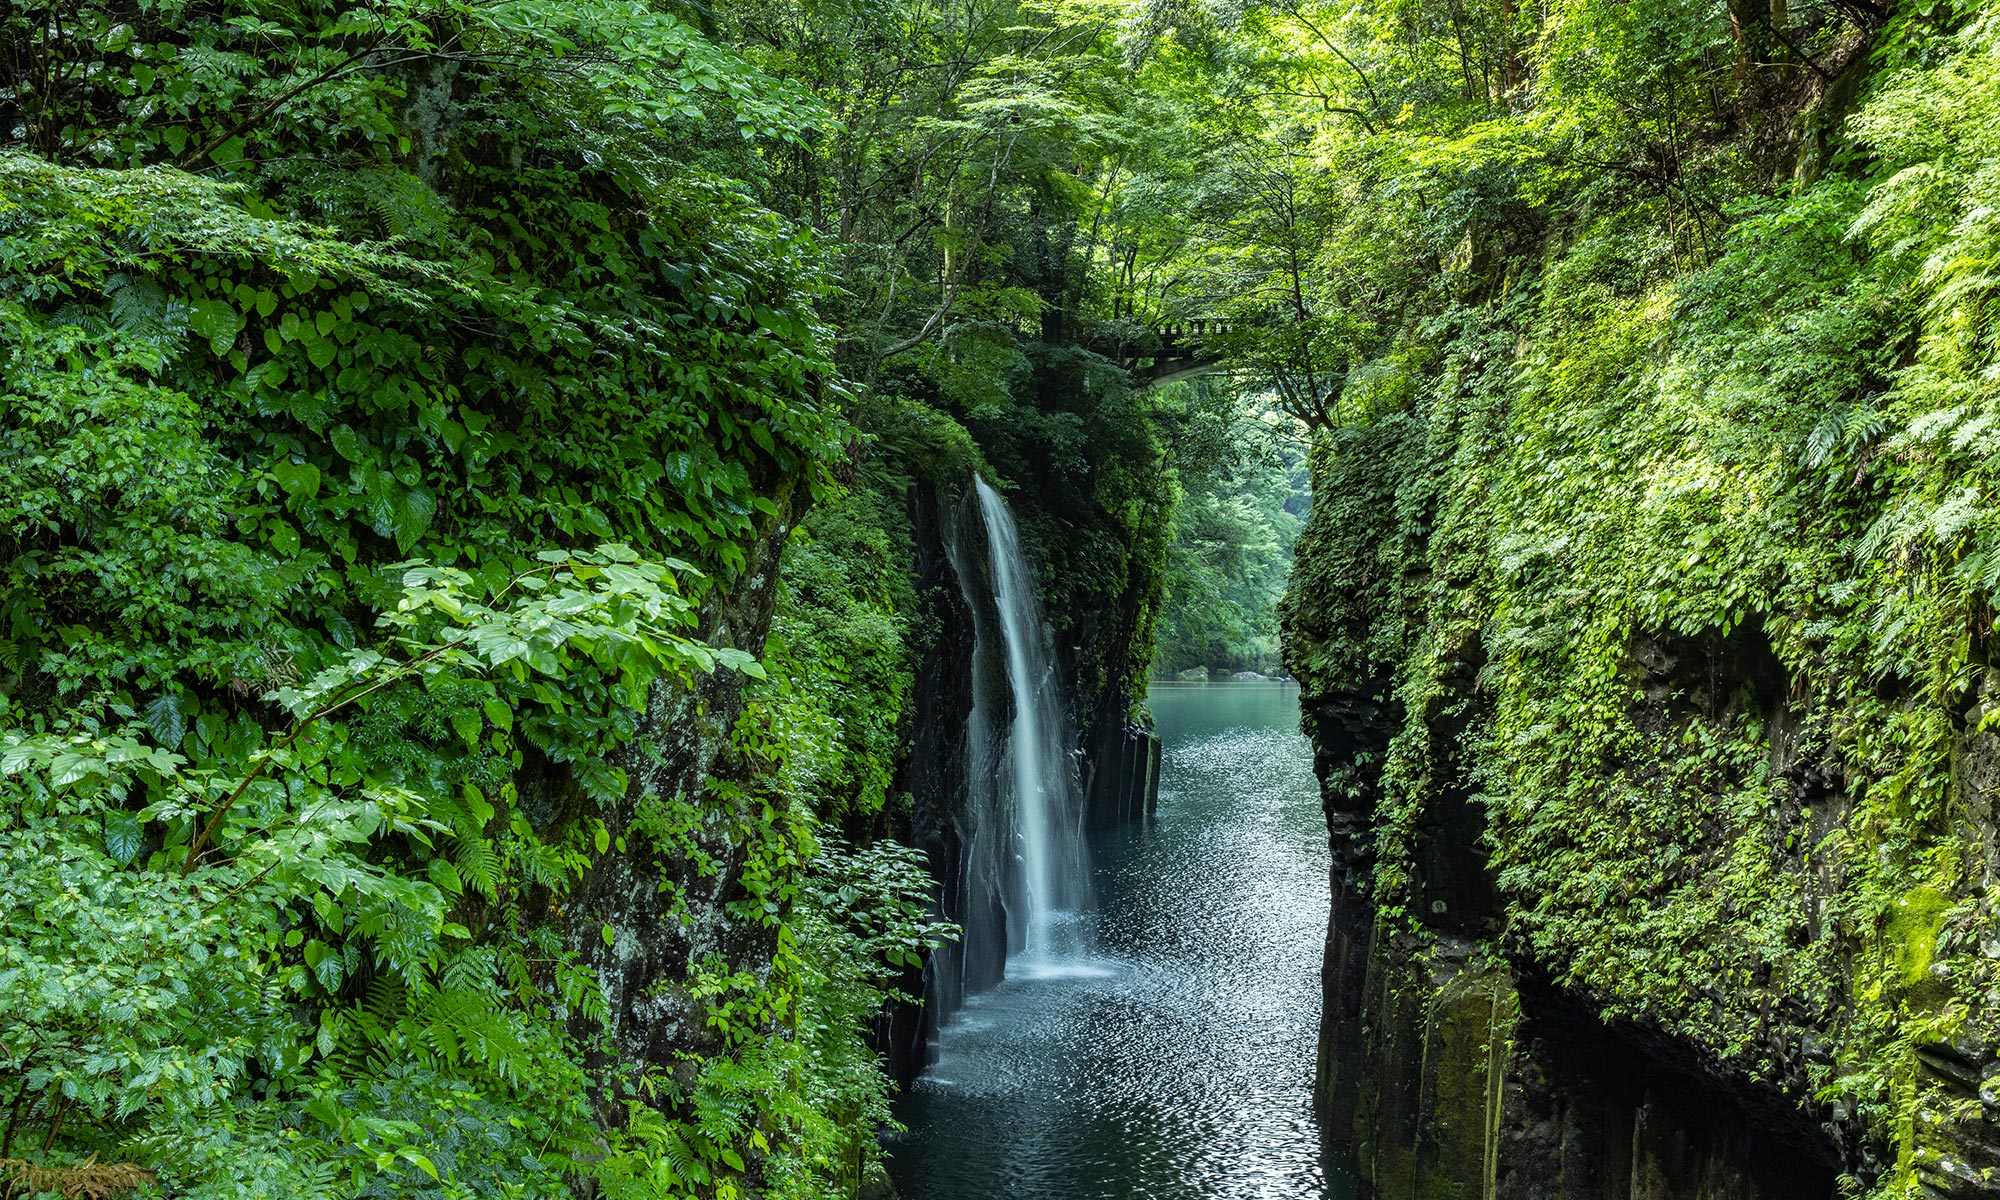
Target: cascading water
{"points": [[1040, 772], [1024, 877]]}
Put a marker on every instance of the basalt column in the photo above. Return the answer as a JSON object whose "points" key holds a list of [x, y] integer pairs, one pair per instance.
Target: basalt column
{"points": [[934, 773], [1451, 1071]]}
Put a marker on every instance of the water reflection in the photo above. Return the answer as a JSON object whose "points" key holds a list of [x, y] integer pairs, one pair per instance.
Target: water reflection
{"points": [[1173, 1062]]}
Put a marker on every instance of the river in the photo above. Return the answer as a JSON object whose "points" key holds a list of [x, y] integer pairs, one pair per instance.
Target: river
{"points": [[1172, 1061]]}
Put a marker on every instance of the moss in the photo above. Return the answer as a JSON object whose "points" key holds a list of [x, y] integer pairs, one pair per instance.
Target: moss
{"points": [[1718, 539], [1467, 1042], [1911, 935]]}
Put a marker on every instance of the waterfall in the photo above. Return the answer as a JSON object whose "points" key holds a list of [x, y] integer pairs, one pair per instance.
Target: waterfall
{"points": [[1024, 872], [1039, 772]]}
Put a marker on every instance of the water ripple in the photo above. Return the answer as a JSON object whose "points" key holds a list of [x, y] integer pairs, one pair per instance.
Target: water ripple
{"points": [[1175, 1061]]}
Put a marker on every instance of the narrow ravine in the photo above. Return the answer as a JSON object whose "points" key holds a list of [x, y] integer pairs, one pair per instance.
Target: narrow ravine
{"points": [[1173, 1060]]}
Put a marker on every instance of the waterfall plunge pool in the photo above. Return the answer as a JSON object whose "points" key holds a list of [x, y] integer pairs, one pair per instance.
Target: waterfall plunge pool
{"points": [[1173, 1059]]}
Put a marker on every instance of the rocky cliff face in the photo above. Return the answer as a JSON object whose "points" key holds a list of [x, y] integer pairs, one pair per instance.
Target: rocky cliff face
{"points": [[1457, 1068], [1660, 962], [1448, 1071], [665, 903], [933, 774]]}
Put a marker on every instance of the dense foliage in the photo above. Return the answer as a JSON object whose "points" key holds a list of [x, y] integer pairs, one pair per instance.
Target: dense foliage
{"points": [[1653, 349], [297, 301], [1232, 534], [401, 413], [415, 417]]}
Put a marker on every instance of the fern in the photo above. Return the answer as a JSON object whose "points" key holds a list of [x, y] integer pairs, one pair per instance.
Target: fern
{"points": [[478, 865]]}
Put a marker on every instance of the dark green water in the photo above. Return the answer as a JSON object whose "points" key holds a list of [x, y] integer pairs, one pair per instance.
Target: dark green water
{"points": [[1173, 1061]]}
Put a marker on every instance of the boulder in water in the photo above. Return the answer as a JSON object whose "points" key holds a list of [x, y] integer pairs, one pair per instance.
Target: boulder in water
{"points": [[1193, 675], [1250, 677]]}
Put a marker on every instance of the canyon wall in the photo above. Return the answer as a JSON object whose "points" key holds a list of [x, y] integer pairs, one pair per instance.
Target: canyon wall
{"points": [[1644, 622], [1623, 908]]}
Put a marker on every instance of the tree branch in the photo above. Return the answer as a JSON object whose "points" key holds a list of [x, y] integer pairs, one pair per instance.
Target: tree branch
{"points": [[1299, 16], [346, 66]]}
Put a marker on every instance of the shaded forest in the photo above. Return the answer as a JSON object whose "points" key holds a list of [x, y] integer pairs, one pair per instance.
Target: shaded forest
{"points": [[470, 487]]}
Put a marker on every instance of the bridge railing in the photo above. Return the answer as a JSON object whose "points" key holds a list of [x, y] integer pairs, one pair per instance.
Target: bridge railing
{"points": [[1183, 337], [1172, 330], [1197, 328]]}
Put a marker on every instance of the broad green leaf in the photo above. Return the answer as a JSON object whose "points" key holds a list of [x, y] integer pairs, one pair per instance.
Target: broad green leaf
{"points": [[217, 321], [165, 718], [413, 518], [124, 836], [348, 444], [499, 712], [298, 479]]}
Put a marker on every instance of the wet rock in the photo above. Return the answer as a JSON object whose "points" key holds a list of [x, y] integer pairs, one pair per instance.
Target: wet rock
{"points": [[664, 908]]}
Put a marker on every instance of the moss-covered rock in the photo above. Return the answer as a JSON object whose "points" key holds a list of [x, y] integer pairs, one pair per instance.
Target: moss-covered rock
{"points": [[1662, 605]]}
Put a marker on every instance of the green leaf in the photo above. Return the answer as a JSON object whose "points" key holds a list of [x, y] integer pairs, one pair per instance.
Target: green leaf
{"points": [[445, 876], [124, 835], [498, 712], [679, 466], [610, 935], [298, 479], [411, 1155], [217, 321], [739, 660], [413, 518], [348, 444], [600, 781], [168, 723]]}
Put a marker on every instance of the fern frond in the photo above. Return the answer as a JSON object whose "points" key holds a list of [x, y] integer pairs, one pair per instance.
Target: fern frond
{"points": [[479, 866]]}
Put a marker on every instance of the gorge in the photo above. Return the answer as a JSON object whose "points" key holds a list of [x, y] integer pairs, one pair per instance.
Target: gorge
{"points": [[652, 600]]}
